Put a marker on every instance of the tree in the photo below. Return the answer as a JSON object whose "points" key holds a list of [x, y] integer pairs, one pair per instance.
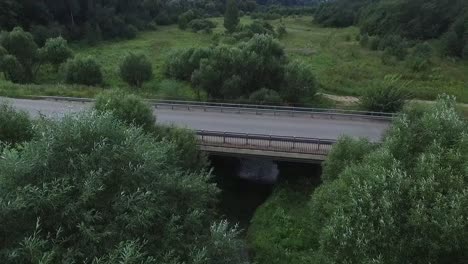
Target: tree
{"points": [[21, 46], [89, 189], [128, 108], [136, 69], [405, 201], [83, 70], [56, 51], [231, 16], [299, 83]]}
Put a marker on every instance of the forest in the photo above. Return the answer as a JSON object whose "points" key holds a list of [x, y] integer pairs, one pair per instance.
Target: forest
{"points": [[115, 184]]}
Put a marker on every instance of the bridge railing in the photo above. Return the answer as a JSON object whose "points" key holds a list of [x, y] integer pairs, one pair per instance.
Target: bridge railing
{"points": [[251, 108], [271, 109], [265, 142]]}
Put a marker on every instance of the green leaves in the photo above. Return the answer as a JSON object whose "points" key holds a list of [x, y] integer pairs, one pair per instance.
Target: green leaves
{"points": [[403, 202]]}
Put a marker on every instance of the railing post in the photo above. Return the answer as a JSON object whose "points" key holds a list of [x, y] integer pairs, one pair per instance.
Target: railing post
{"points": [[294, 143], [269, 141], [224, 138], [318, 145], [202, 136], [247, 140]]}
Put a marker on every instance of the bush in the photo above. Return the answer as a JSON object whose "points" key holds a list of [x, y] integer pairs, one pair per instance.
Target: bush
{"points": [[299, 83], [266, 97], [129, 32], [204, 25], [185, 18], [136, 69], [21, 45], [412, 188], [56, 51], [104, 190], [281, 31], [180, 64], [346, 152], [83, 70], [130, 109], [364, 40], [374, 43], [13, 69], [388, 95], [16, 127]]}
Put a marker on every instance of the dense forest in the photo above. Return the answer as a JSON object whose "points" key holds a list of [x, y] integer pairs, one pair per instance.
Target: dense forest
{"points": [[414, 20]]}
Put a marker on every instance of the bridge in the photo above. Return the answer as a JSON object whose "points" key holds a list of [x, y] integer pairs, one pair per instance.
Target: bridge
{"points": [[280, 133]]}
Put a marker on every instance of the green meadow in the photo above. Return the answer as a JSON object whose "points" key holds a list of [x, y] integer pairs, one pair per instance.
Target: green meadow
{"points": [[341, 65]]}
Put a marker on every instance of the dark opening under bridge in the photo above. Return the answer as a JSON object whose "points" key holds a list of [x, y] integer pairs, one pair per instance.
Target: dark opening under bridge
{"points": [[276, 132]]}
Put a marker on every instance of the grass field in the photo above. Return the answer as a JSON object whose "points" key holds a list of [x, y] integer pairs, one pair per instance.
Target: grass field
{"points": [[341, 65]]}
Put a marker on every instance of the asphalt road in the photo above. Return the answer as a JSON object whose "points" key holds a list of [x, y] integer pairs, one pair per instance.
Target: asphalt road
{"points": [[230, 122]]}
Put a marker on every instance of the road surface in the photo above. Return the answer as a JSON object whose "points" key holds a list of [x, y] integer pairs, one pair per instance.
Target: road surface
{"points": [[229, 122]]}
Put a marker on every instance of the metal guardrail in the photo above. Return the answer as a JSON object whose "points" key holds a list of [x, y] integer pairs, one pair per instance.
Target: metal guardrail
{"points": [[264, 142], [252, 109]]}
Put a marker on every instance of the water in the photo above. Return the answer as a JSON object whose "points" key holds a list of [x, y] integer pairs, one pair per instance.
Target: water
{"points": [[247, 183]]}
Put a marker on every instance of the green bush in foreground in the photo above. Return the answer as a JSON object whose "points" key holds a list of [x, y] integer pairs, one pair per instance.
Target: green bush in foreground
{"points": [[89, 189], [128, 108], [136, 69], [405, 202], [83, 70], [15, 126], [56, 51]]}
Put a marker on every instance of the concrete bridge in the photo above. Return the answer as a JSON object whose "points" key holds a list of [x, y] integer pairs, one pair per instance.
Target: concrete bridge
{"points": [[280, 133]]}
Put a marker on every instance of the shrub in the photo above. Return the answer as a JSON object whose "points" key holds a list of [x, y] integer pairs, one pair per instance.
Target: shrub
{"points": [[204, 25], [186, 142], [104, 190], [42, 33], [128, 108], [346, 152], [465, 51], [180, 64], [16, 127], [129, 32], [185, 18], [56, 51], [136, 69], [364, 40], [374, 43], [13, 69], [388, 95], [21, 45], [265, 96], [299, 83], [83, 70], [281, 31], [412, 188]]}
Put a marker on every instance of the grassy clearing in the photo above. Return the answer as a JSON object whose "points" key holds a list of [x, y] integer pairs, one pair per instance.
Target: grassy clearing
{"points": [[342, 67]]}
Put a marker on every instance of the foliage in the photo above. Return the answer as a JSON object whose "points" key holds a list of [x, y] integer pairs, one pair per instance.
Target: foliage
{"points": [[185, 18], [346, 152], [280, 231], [13, 69], [21, 46], [281, 31], [128, 108], [56, 51], [393, 45], [136, 69], [180, 64], [101, 192], [232, 72], [266, 97], [204, 25], [420, 58], [299, 83], [405, 202], [340, 13], [388, 95], [246, 32], [83, 70], [231, 16], [16, 127]]}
